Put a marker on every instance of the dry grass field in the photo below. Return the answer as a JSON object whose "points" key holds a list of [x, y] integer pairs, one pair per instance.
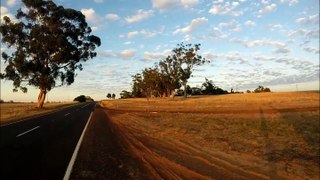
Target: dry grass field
{"points": [[14, 111], [250, 136]]}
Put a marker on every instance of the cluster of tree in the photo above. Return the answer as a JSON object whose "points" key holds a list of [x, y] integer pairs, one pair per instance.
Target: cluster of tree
{"points": [[210, 89], [109, 96], [169, 74], [207, 88], [260, 89], [83, 98], [125, 94], [50, 43]]}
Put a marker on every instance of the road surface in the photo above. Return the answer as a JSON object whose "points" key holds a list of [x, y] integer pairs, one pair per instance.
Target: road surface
{"points": [[41, 147]]}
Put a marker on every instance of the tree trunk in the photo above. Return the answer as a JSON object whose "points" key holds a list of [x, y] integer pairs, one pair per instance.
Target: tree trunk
{"points": [[41, 98], [185, 89], [173, 93]]}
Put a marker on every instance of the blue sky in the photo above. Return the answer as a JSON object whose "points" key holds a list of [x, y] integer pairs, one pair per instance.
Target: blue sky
{"points": [[273, 43]]}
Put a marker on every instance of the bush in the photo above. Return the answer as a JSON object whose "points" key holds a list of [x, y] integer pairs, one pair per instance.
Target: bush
{"points": [[81, 98], [261, 89]]}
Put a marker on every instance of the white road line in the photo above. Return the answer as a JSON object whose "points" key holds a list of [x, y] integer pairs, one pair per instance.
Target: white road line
{"points": [[28, 131], [85, 105], [75, 152], [67, 114]]}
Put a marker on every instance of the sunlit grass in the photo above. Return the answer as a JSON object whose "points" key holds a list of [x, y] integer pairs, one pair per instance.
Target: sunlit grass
{"points": [[221, 103], [278, 128], [14, 111]]}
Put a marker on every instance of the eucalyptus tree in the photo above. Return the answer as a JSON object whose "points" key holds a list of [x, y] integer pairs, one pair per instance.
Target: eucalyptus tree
{"points": [[170, 75], [187, 57], [49, 44]]}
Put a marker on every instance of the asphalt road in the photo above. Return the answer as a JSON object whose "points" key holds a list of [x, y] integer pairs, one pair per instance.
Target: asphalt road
{"points": [[41, 147]]}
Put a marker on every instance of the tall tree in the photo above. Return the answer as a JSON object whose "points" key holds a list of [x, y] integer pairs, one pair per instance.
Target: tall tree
{"points": [[137, 86], [209, 87], [50, 42], [113, 96], [109, 95], [170, 75], [187, 57]]}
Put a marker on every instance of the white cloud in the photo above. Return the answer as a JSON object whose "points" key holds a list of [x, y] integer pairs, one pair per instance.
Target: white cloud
{"points": [[282, 50], [132, 34], [290, 2], [12, 3], [225, 9], [112, 17], [227, 24], [195, 23], [265, 42], [188, 3], [166, 5], [237, 28], [250, 23], [313, 20], [139, 16], [265, 1], [142, 32], [232, 25], [300, 32], [5, 12], [313, 34], [128, 53], [93, 18], [151, 56], [90, 14], [275, 27], [235, 4], [218, 34], [262, 42], [311, 50], [127, 43], [268, 9], [94, 28]]}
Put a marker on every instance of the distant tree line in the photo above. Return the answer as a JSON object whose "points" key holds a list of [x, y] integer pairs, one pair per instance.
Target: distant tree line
{"points": [[207, 88], [260, 89]]}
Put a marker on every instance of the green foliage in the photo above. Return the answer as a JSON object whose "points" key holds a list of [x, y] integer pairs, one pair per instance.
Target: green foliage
{"points": [[109, 95], [167, 76], [113, 96], [187, 57], [50, 43], [189, 90], [137, 86], [208, 88], [81, 98], [125, 94]]}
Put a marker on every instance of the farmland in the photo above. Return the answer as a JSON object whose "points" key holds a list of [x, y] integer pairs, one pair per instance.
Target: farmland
{"points": [[14, 111], [267, 135]]}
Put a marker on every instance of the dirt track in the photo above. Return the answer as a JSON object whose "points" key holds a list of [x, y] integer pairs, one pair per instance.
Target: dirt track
{"points": [[112, 151]]}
